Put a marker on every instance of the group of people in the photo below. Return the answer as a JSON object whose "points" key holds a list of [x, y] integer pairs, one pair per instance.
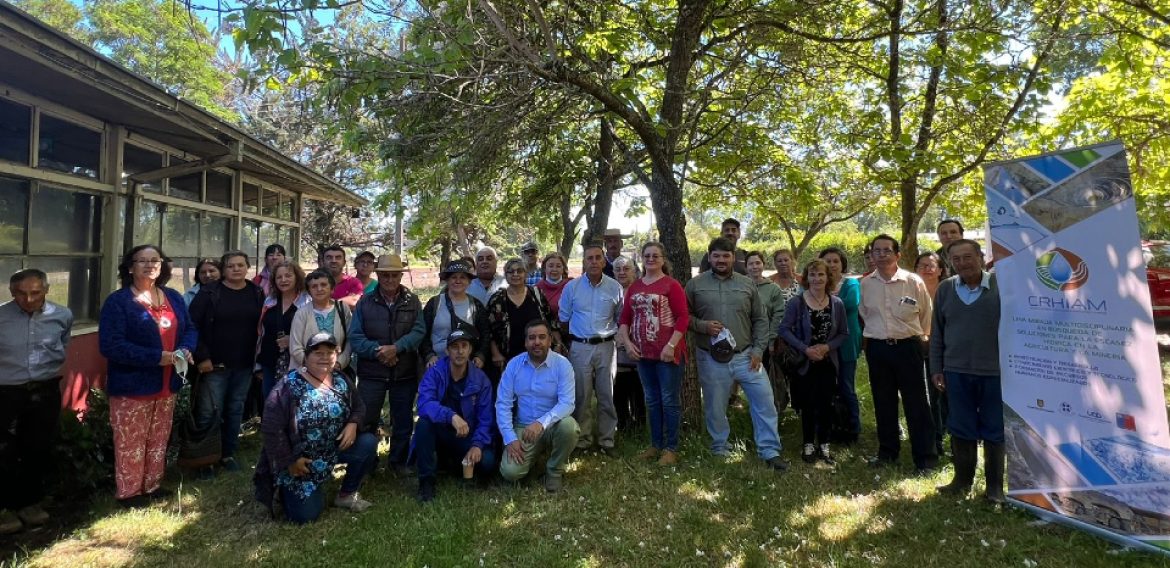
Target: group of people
{"points": [[499, 370]]}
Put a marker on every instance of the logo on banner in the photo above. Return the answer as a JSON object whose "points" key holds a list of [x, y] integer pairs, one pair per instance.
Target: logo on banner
{"points": [[1126, 422], [1062, 270]]}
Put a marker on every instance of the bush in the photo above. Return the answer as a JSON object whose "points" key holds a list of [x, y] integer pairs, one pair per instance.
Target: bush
{"points": [[84, 452], [853, 243]]}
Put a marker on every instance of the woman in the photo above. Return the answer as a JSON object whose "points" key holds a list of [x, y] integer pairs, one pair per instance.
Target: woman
{"points": [[554, 280], [849, 290], [144, 331], [930, 268], [785, 276], [628, 397], [288, 294], [363, 265], [773, 299], [322, 314], [510, 309], [273, 255], [653, 327], [207, 270], [311, 424], [227, 314], [469, 314], [814, 325]]}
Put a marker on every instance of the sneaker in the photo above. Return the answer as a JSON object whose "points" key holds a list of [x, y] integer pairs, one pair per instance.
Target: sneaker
{"points": [[809, 453], [229, 464], [823, 453], [9, 522], [352, 502], [668, 458], [553, 483], [426, 489], [648, 454], [777, 464], [33, 515]]}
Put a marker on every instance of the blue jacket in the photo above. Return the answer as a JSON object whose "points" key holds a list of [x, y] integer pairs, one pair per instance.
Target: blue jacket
{"points": [[477, 405], [796, 329], [129, 340]]}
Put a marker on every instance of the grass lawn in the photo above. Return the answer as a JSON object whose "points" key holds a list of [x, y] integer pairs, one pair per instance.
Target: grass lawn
{"points": [[612, 512]]}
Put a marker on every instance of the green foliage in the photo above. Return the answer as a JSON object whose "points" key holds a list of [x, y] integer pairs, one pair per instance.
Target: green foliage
{"points": [[84, 453]]}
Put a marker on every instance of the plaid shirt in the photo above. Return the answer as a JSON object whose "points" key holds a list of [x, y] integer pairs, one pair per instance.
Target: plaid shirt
{"points": [[534, 277]]}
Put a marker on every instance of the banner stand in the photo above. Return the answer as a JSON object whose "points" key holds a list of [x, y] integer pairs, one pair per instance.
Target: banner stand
{"points": [[1096, 531]]}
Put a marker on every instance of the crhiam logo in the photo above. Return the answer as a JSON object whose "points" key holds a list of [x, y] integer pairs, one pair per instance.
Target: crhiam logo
{"points": [[1062, 270]]}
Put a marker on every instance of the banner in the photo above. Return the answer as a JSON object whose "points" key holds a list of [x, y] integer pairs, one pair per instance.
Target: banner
{"points": [[1084, 409]]}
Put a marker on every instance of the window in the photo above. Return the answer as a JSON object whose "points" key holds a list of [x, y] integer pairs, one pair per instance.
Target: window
{"points": [[136, 160], [188, 187], [13, 215], [180, 232], [15, 132], [250, 238], [288, 207], [219, 189], [251, 200], [215, 236], [148, 229], [271, 203], [67, 147], [57, 231], [64, 221]]}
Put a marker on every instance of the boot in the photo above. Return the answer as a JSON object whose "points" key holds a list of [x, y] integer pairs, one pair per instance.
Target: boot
{"points": [[964, 455], [993, 458]]}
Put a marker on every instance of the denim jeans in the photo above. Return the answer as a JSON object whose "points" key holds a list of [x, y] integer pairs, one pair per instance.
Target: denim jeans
{"points": [[662, 383], [220, 400], [976, 407], [847, 388], [269, 381], [431, 439], [358, 460], [402, 393], [715, 380]]}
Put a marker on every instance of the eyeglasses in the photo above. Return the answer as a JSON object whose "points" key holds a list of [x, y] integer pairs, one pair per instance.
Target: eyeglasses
{"points": [[150, 262], [881, 251], [516, 271]]}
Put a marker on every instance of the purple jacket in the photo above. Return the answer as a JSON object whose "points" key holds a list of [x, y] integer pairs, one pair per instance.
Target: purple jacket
{"points": [[129, 340], [282, 441], [477, 406]]}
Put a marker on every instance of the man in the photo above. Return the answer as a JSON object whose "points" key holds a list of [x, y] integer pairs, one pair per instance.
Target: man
{"points": [[613, 240], [486, 280], [455, 416], [364, 264], [589, 309], [385, 333], [531, 256], [949, 231], [732, 329], [32, 352], [730, 230], [347, 289], [896, 308], [539, 385], [964, 363]]}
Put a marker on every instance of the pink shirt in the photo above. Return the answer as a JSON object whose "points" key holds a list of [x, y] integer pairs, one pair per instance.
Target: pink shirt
{"points": [[348, 286], [654, 312]]}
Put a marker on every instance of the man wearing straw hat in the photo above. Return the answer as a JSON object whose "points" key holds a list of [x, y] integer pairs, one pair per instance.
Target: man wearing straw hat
{"points": [[613, 240]]}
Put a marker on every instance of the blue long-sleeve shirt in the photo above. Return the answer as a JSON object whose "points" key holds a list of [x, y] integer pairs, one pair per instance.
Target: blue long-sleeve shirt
{"points": [[591, 310], [543, 393]]}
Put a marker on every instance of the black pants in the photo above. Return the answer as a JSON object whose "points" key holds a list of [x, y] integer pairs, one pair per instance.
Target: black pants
{"points": [[29, 420], [402, 394], [938, 410], [817, 388], [628, 398], [896, 371]]}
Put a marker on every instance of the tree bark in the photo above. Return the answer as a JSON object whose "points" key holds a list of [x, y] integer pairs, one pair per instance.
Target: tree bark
{"points": [[606, 183]]}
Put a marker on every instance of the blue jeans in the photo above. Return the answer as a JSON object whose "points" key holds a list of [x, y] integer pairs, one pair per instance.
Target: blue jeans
{"points": [[975, 404], [661, 383], [269, 381], [431, 438], [358, 460], [715, 380], [220, 400], [847, 388]]}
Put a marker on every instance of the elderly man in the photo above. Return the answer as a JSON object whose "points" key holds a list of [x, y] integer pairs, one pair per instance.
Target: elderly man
{"points": [[732, 331], [896, 308], [730, 230], [538, 385], [613, 239], [385, 334], [455, 417], [32, 352], [531, 256], [948, 231], [964, 363], [486, 280], [589, 309], [346, 289]]}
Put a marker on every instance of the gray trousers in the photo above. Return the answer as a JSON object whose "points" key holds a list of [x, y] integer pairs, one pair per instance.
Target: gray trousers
{"points": [[595, 367]]}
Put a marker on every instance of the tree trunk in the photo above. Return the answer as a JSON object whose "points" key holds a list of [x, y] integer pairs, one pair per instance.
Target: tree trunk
{"points": [[568, 224], [606, 183], [909, 240]]}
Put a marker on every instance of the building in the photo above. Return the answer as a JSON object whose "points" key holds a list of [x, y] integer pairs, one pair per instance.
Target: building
{"points": [[95, 159]]}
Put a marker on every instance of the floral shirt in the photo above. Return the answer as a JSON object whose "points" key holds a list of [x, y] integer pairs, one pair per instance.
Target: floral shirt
{"points": [[320, 417]]}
